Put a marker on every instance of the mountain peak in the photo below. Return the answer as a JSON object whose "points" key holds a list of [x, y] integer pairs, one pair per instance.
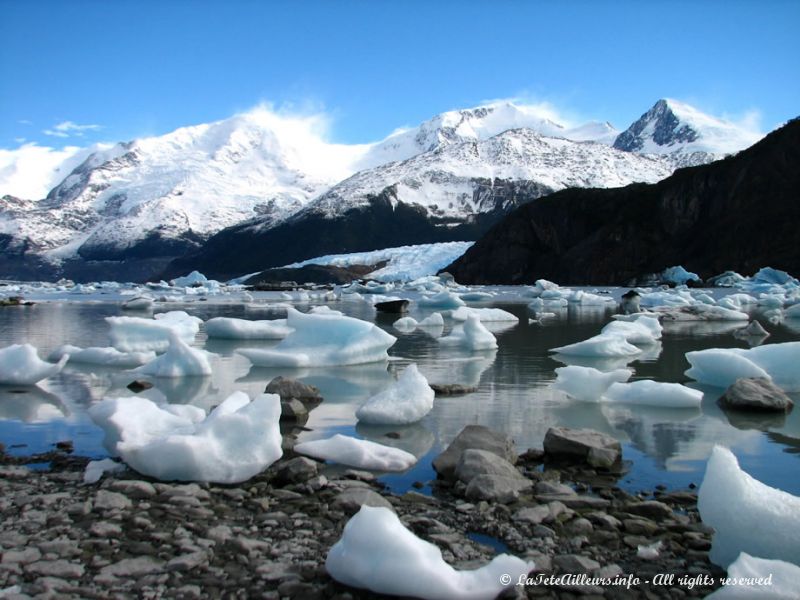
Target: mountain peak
{"points": [[672, 126]]}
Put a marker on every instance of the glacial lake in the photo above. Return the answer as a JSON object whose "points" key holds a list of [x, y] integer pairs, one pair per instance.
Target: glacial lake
{"points": [[661, 446]]}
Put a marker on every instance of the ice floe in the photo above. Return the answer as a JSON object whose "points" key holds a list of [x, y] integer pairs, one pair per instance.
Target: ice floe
{"points": [[586, 383], [353, 452], [720, 367], [471, 335], [441, 300], [747, 515], [406, 401], [237, 440], [243, 329], [653, 393], [137, 334], [180, 360], [324, 340], [484, 315], [20, 365], [377, 552], [95, 469], [105, 357]]}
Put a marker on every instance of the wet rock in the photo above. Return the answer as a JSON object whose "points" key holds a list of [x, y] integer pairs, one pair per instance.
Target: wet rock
{"points": [[291, 388], [586, 445], [132, 567], [496, 488], [534, 514], [575, 563], [294, 411], [476, 437], [755, 394], [139, 385], [651, 509], [296, 470], [56, 568], [187, 562], [579, 526], [392, 306], [25, 556], [482, 462], [105, 500], [452, 389], [133, 488], [552, 487], [352, 499]]}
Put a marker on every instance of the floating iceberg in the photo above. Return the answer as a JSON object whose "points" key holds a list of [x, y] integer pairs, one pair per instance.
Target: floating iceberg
{"points": [[324, 340], [20, 365], [357, 453], [180, 360], [406, 401], [472, 335], [747, 515], [642, 329], [441, 300], [138, 303], [243, 329], [647, 392], [605, 345], [586, 383], [137, 334], [677, 276], [405, 324], [485, 315], [722, 366], [475, 296], [587, 299], [236, 441], [751, 578], [106, 357], [433, 320], [195, 278], [376, 552]]}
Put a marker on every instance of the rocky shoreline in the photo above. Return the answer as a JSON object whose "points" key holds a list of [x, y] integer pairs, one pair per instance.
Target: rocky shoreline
{"points": [[130, 537]]}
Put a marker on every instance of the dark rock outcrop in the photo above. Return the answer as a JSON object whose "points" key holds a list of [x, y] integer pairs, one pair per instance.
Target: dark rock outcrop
{"points": [[755, 394], [739, 213]]}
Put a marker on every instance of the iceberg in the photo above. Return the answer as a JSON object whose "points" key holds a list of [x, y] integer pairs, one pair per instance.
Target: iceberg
{"points": [[485, 315], [137, 334], [747, 515], [441, 300], [604, 345], [647, 392], [642, 329], [722, 366], [472, 335], [405, 324], [586, 383], [377, 552], [433, 320], [20, 365], [406, 401], [237, 440], [243, 329], [357, 453], [195, 278], [180, 360], [323, 340], [751, 578], [678, 276], [105, 357]]}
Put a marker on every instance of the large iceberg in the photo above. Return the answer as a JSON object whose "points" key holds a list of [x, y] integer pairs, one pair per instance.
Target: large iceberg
{"points": [[441, 300], [641, 329], [322, 340], [751, 578], [647, 392], [180, 360], [472, 335], [747, 515], [722, 366], [485, 315], [137, 334], [586, 383], [377, 552], [236, 441], [361, 454], [406, 401], [244, 329], [20, 365], [106, 357], [604, 345]]}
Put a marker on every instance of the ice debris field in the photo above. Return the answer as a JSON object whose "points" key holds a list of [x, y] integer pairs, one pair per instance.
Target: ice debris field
{"points": [[207, 418]]}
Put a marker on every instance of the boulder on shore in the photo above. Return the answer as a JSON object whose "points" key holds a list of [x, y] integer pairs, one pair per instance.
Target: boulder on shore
{"points": [[475, 437], [587, 445], [755, 394]]}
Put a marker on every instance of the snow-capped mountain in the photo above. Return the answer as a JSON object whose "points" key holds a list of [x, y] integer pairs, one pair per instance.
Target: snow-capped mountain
{"points": [[674, 128], [158, 198]]}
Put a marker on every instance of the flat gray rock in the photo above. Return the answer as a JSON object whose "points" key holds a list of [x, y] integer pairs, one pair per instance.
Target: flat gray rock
{"points": [[755, 394], [496, 488], [292, 388], [352, 499], [476, 437], [482, 462], [582, 445]]}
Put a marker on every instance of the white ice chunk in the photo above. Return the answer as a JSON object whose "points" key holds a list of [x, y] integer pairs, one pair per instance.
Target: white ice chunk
{"points": [[106, 357], [405, 324], [475, 296], [433, 320], [472, 335], [722, 366], [325, 310], [324, 340], [485, 315], [441, 300], [138, 303], [180, 360], [751, 578], [376, 552], [20, 365], [793, 312], [650, 552], [137, 334], [642, 329], [237, 440], [678, 275], [586, 383], [604, 345], [244, 329], [95, 469], [647, 392], [406, 401], [362, 454], [193, 278], [588, 299], [747, 515]]}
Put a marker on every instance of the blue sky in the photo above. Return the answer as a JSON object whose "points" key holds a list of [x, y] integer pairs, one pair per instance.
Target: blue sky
{"points": [[80, 71]]}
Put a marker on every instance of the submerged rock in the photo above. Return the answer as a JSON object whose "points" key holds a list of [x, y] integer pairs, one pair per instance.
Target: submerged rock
{"points": [[755, 394], [392, 306]]}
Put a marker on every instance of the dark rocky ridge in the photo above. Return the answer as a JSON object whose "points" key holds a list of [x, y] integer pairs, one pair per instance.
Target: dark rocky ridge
{"points": [[384, 222], [739, 213]]}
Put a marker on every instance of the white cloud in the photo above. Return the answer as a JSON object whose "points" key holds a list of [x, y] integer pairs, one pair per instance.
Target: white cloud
{"points": [[70, 128], [31, 171]]}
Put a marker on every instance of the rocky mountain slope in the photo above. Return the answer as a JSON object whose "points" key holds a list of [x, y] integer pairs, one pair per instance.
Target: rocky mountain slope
{"points": [[739, 213]]}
